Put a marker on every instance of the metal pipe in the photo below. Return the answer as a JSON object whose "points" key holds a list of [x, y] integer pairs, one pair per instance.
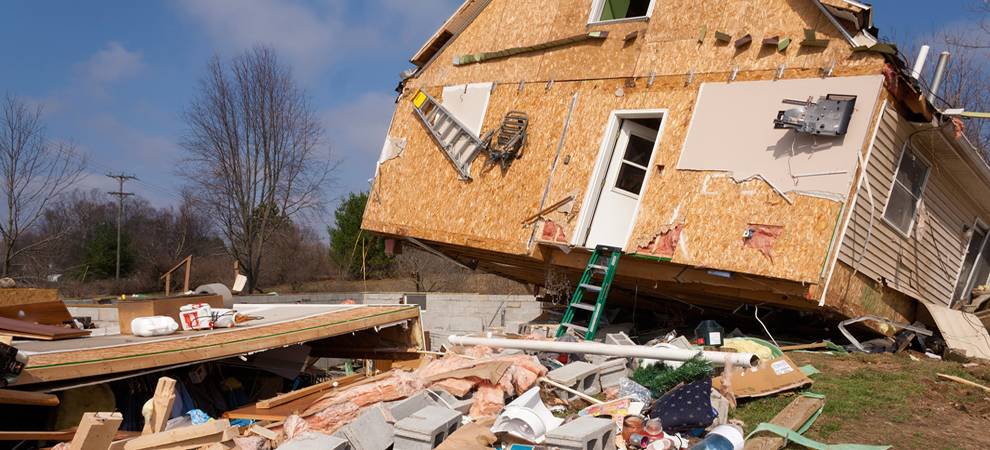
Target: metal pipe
{"points": [[596, 348], [943, 61], [919, 65]]}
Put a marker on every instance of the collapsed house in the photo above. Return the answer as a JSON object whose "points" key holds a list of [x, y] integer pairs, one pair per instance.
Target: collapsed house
{"points": [[755, 152]]}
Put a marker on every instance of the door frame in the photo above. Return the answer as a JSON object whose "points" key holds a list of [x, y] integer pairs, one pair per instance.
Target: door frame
{"points": [[977, 224], [605, 151]]}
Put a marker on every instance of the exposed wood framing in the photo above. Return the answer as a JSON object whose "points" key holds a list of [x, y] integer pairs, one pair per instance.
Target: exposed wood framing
{"points": [[96, 431], [161, 406]]}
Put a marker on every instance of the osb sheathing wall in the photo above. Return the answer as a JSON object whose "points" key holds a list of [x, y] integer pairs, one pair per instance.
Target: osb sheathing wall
{"points": [[419, 194]]}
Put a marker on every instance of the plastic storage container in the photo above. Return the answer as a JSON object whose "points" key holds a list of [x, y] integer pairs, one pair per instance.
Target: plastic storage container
{"points": [[723, 437], [709, 333], [153, 326]]}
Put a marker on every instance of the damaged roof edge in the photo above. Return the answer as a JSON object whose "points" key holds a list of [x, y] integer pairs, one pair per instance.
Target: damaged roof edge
{"points": [[453, 26], [845, 33]]}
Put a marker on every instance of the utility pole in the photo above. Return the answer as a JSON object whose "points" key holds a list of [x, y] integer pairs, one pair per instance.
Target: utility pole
{"points": [[120, 194]]}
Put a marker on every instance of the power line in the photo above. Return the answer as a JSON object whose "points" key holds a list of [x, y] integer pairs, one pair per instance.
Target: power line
{"points": [[120, 208]]}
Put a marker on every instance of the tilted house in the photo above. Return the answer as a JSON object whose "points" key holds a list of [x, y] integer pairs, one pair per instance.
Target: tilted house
{"points": [[651, 127]]}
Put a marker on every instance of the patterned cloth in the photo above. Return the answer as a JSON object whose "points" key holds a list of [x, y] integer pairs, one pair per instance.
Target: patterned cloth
{"points": [[685, 407]]}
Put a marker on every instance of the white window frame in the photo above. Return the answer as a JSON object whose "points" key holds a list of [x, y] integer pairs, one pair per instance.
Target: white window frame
{"points": [[893, 183], [984, 228], [593, 191], [599, 5]]}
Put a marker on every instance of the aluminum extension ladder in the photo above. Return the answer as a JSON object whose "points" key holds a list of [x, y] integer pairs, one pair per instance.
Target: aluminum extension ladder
{"points": [[460, 145], [602, 263]]}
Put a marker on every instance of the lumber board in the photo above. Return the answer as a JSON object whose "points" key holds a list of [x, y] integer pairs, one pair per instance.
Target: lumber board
{"points": [[193, 435], [791, 417], [966, 382], [14, 397], [61, 435], [162, 406], [299, 393], [804, 346], [198, 346], [29, 330], [276, 413], [96, 431], [46, 313]]}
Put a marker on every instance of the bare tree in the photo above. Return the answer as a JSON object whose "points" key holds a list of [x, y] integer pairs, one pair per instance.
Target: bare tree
{"points": [[254, 152], [33, 173]]}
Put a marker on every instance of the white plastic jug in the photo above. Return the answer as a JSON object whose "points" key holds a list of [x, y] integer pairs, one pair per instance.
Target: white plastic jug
{"points": [[153, 326]]}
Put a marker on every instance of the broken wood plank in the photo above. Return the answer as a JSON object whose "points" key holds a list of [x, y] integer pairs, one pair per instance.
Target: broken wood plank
{"points": [[966, 382], [180, 438], [548, 209], [584, 396], [791, 417], [96, 431], [906, 342], [263, 432], [61, 435], [162, 406], [299, 393], [803, 346], [29, 330], [46, 313], [14, 397]]}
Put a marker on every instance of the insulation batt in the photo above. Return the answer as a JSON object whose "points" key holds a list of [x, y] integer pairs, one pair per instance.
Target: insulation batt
{"points": [[488, 400], [459, 387], [479, 351], [294, 426], [398, 385], [333, 418]]}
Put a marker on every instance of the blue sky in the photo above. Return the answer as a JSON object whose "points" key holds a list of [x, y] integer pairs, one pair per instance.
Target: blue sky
{"points": [[113, 76]]}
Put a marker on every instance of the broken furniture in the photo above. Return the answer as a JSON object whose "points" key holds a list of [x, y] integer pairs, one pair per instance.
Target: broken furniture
{"points": [[509, 139], [602, 263], [830, 116]]}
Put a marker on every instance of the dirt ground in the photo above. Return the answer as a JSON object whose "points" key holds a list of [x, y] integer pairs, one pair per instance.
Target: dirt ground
{"points": [[895, 400]]}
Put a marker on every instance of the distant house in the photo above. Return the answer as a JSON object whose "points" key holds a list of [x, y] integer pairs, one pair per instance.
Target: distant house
{"points": [[675, 129]]}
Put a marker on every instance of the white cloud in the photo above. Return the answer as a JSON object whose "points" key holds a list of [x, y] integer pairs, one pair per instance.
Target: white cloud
{"points": [[356, 131], [135, 146], [109, 65], [308, 38]]}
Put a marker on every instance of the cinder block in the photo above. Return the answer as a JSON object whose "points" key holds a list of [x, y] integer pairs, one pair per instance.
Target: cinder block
{"points": [[448, 400], [586, 433], [401, 409], [612, 371], [369, 432], [580, 376], [426, 429], [312, 440], [619, 338]]}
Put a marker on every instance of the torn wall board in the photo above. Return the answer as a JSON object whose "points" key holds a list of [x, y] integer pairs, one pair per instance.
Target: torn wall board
{"points": [[468, 104], [732, 131], [961, 331], [392, 149]]}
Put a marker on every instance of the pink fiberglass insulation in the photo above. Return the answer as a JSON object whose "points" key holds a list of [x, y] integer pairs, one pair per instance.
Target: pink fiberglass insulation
{"points": [[762, 238], [488, 400], [333, 418]]}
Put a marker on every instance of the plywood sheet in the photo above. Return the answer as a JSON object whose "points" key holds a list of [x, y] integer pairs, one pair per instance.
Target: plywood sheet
{"points": [[19, 296], [46, 313], [732, 131], [30, 330]]}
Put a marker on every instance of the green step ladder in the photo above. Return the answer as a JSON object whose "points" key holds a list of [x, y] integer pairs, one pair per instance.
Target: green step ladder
{"points": [[602, 263]]}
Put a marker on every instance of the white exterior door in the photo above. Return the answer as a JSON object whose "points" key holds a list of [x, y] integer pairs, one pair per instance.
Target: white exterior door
{"points": [[622, 185]]}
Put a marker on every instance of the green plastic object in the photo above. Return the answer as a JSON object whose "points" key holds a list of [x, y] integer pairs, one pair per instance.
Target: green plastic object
{"points": [[603, 261]]}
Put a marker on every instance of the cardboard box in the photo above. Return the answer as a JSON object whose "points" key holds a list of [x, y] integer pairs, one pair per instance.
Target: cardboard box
{"points": [[769, 377], [128, 310]]}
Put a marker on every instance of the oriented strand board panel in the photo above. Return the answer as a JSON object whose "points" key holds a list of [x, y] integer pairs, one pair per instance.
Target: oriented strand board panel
{"points": [[128, 310], [281, 325], [732, 131], [20, 296]]}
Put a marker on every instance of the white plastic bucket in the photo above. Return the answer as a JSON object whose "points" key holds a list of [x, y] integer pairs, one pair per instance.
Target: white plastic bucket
{"points": [[153, 326]]}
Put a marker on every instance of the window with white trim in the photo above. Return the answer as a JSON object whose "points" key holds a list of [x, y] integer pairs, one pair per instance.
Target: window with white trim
{"points": [[905, 193], [975, 270], [608, 10]]}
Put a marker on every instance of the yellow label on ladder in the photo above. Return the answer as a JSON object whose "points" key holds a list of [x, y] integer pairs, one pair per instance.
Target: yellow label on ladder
{"points": [[419, 99]]}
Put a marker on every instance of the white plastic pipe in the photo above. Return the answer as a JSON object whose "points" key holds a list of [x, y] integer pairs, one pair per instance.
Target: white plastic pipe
{"points": [[919, 65], [596, 348]]}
